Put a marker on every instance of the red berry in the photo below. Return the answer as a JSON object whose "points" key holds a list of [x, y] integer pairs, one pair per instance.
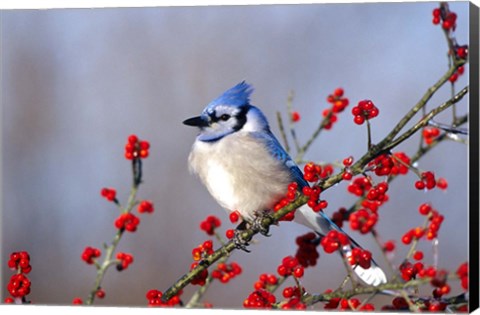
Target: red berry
{"points": [[145, 206], [419, 185], [234, 217], [425, 209], [144, 145], [442, 183], [389, 246], [295, 116], [348, 161], [418, 255], [77, 301], [358, 120], [347, 175], [132, 139], [100, 293], [109, 193], [298, 272], [230, 234], [338, 92]]}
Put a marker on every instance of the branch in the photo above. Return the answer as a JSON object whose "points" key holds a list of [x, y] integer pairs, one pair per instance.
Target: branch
{"points": [[424, 121], [312, 299]]}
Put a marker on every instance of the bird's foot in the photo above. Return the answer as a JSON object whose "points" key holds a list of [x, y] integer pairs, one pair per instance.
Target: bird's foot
{"points": [[239, 241], [257, 224]]}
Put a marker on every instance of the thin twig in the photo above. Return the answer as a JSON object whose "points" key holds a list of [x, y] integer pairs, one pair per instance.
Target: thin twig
{"points": [[282, 132]]}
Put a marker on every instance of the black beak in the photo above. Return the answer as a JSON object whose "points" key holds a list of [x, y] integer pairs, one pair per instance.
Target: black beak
{"points": [[196, 122]]}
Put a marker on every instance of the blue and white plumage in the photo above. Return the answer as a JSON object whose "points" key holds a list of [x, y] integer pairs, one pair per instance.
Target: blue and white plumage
{"points": [[245, 168]]}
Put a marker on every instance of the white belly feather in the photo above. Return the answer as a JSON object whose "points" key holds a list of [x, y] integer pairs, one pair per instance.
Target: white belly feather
{"points": [[240, 173]]}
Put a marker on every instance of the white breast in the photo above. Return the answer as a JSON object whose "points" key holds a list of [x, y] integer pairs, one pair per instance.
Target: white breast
{"points": [[240, 173]]}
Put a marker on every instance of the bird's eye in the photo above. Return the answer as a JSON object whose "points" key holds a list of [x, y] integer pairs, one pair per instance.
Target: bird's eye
{"points": [[225, 117]]}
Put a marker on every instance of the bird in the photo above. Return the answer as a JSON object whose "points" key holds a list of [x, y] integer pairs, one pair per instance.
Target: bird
{"points": [[245, 168]]}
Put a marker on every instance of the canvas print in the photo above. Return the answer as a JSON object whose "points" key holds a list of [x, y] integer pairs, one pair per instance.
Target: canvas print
{"points": [[293, 157]]}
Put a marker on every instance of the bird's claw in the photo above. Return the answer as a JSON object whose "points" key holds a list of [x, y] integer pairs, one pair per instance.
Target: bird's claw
{"points": [[258, 226], [239, 242]]}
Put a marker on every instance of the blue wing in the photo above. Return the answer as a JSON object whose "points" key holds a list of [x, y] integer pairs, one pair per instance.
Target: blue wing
{"points": [[277, 151]]}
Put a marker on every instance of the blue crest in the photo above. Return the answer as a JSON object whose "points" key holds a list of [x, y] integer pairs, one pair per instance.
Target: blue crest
{"points": [[239, 95]]}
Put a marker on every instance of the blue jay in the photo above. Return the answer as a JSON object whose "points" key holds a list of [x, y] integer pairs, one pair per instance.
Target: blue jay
{"points": [[245, 168]]}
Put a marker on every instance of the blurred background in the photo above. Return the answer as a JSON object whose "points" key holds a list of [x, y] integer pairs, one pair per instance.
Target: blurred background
{"points": [[77, 82]]}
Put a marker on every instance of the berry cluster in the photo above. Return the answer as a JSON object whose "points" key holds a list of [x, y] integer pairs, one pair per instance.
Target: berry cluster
{"points": [[436, 220], [399, 303], [448, 19], [307, 253], [201, 278], [440, 284], [124, 260], [314, 201], [290, 266], [294, 296], [286, 200], [427, 181], [127, 221], [348, 304], [154, 298], [378, 192], [354, 304], [409, 271], [333, 118], [19, 286], [410, 235], [90, 253], [333, 241], [202, 250], [462, 273], [136, 148], [363, 220], [20, 261], [401, 162], [359, 186], [339, 103], [382, 165], [454, 77], [110, 194], [337, 100], [210, 224], [338, 217], [145, 206], [225, 272], [260, 299], [361, 257], [265, 280], [365, 110], [429, 134], [313, 172], [461, 51]]}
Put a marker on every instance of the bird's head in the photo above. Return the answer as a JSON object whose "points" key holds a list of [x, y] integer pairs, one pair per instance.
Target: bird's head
{"points": [[227, 114]]}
